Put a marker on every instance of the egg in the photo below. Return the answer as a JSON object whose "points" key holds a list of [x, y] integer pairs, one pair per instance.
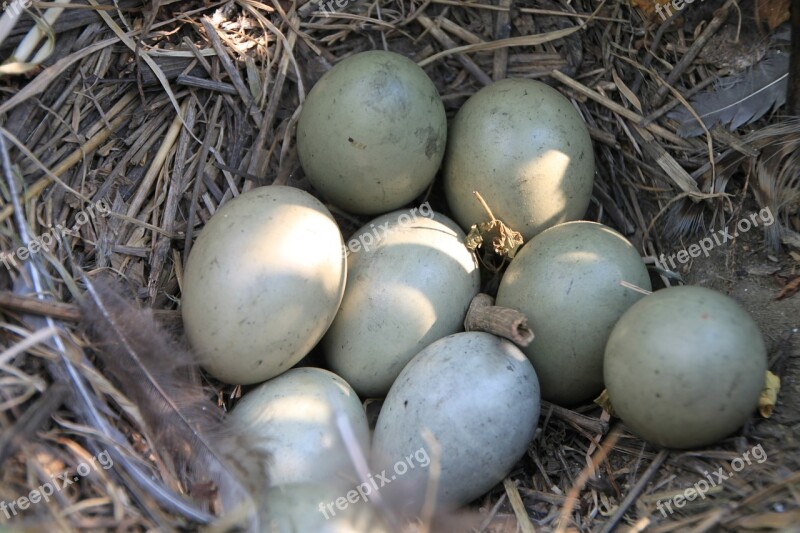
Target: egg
{"points": [[526, 150], [478, 397], [567, 282], [372, 133], [685, 366], [304, 507], [262, 283], [294, 417], [410, 281]]}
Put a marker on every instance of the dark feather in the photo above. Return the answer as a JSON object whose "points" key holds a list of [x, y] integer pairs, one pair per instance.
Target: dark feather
{"points": [[777, 183], [163, 380], [739, 99], [64, 371], [775, 179], [684, 219]]}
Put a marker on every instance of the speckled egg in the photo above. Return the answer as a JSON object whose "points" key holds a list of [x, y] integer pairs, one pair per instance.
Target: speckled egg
{"points": [[410, 281], [476, 397], [526, 150], [567, 282], [293, 417], [685, 366], [262, 283], [372, 133]]}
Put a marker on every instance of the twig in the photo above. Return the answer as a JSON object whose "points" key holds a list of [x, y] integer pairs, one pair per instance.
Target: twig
{"points": [[510, 324], [484, 205], [636, 118], [525, 40], [666, 108], [492, 513], [686, 61], [198, 178], [203, 83], [583, 478], [67, 312], [448, 43], [34, 36], [635, 491], [518, 506], [592, 425], [74, 158], [547, 497], [158, 161], [73, 375], [502, 30], [232, 71]]}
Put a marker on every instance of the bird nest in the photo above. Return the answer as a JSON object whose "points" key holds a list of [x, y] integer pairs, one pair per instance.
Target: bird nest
{"points": [[126, 125]]}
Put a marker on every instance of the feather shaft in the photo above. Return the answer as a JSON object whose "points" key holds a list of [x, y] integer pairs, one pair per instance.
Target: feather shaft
{"points": [[163, 380], [738, 100]]}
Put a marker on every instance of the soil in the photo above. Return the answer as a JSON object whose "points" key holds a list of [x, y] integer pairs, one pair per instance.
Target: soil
{"points": [[745, 271]]}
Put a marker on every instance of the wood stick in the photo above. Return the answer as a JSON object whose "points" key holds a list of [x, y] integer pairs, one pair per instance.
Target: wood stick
{"points": [[518, 506], [633, 116], [502, 30], [68, 312], [510, 324], [688, 58]]}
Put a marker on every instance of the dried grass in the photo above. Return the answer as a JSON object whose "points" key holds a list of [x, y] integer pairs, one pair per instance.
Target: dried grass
{"points": [[168, 110]]}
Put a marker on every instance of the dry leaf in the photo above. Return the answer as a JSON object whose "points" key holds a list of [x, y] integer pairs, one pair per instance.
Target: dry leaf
{"points": [[769, 396], [605, 402], [648, 7], [790, 289], [503, 240], [773, 12]]}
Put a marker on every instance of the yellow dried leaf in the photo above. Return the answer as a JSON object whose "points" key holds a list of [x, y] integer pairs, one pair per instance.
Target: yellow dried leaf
{"points": [[474, 238], [769, 396], [605, 402], [773, 12]]}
